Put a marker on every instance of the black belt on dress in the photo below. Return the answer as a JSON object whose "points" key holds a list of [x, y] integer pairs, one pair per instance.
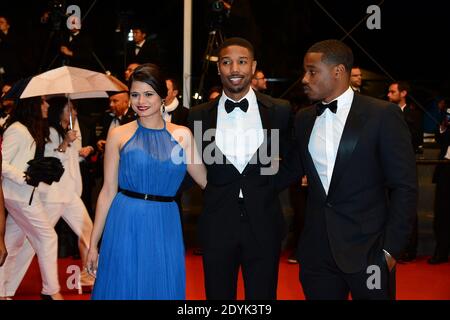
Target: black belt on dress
{"points": [[144, 196]]}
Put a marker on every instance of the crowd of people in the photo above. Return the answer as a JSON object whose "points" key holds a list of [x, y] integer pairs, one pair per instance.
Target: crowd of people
{"points": [[350, 157]]}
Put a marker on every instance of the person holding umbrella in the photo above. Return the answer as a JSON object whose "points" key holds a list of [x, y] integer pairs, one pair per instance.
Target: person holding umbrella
{"points": [[23, 140], [64, 197], [61, 199]]}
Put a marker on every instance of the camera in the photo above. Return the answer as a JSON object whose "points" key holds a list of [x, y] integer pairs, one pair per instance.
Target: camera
{"points": [[217, 6], [57, 15], [219, 11]]}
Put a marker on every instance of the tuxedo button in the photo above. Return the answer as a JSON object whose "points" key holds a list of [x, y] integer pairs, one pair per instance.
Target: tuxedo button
{"points": [[329, 205]]}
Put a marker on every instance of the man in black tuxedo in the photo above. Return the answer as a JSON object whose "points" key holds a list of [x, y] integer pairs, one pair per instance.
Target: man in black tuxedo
{"points": [[119, 113], [399, 94], [142, 49], [242, 223], [76, 48], [356, 152], [174, 112]]}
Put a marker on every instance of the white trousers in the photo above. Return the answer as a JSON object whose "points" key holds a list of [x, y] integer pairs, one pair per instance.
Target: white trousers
{"points": [[30, 222], [76, 216]]}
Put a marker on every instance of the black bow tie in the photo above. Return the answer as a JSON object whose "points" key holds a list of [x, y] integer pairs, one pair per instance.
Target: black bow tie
{"points": [[230, 105], [320, 107]]}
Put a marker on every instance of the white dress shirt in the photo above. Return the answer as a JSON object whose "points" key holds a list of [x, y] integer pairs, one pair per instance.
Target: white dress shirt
{"points": [[239, 134], [326, 136], [167, 116]]}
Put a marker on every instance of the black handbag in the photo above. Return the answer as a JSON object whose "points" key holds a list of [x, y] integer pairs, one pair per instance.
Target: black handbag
{"points": [[43, 169]]}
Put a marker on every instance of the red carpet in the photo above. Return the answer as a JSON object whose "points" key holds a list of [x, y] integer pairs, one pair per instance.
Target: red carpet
{"points": [[415, 281]]}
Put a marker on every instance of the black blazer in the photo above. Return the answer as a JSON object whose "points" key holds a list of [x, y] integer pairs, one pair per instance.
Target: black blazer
{"points": [[180, 116], [441, 170], [149, 53], [414, 120], [220, 217], [372, 197], [87, 128], [82, 48], [108, 118]]}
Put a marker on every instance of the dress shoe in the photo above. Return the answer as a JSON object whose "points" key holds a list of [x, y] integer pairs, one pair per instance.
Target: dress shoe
{"points": [[86, 279], [292, 260], [56, 296], [437, 260], [407, 257], [198, 252], [76, 256]]}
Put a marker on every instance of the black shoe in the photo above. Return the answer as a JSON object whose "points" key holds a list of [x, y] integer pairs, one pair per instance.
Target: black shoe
{"points": [[46, 297], [76, 256], [437, 260], [407, 257], [63, 251], [198, 252], [292, 260]]}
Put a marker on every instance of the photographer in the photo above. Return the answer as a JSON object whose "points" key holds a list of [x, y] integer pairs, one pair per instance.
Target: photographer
{"points": [[76, 47]]}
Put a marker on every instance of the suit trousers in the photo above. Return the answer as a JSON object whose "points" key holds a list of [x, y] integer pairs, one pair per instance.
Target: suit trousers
{"points": [[322, 279], [76, 216], [441, 222], [259, 266], [30, 222]]}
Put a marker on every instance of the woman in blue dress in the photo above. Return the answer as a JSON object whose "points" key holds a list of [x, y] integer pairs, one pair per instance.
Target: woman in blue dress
{"points": [[142, 252]]}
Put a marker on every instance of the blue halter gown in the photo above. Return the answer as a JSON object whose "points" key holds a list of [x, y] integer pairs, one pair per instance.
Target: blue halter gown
{"points": [[142, 251]]}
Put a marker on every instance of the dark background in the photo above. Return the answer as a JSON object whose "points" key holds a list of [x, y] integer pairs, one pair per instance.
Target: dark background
{"points": [[412, 43]]}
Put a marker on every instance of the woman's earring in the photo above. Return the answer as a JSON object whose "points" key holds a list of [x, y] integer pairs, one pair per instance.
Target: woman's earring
{"points": [[163, 107]]}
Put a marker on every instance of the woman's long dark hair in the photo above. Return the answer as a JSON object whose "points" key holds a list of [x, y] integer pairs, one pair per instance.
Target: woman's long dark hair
{"points": [[29, 113], [55, 112]]}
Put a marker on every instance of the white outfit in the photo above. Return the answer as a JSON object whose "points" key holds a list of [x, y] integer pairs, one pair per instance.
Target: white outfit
{"points": [[60, 199], [24, 220]]}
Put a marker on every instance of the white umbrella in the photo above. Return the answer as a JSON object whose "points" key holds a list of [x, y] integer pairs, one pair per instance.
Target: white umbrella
{"points": [[76, 83]]}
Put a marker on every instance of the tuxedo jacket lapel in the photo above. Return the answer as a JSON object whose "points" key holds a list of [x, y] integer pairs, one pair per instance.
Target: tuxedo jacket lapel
{"points": [[212, 125], [313, 178], [212, 115], [350, 136], [265, 113]]}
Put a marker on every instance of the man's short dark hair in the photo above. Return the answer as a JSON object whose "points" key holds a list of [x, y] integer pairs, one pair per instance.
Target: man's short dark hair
{"points": [[334, 52], [241, 42], [140, 26], [403, 86]]}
